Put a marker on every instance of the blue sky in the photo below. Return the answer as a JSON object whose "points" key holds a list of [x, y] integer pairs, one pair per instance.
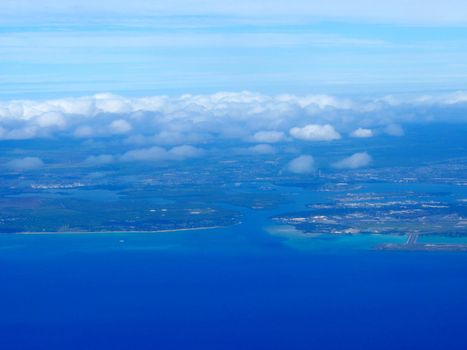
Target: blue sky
{"points": [[73, 48]]}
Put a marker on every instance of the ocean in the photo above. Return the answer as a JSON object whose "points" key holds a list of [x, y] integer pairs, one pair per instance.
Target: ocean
{"points": [[226, 289]]}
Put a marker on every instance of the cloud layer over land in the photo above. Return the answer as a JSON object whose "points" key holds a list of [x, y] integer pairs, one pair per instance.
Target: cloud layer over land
{"points": [[355, 161], [24, 164], [362, 133], [303, 164], [315, 132], [167, 129], [196, 118]]}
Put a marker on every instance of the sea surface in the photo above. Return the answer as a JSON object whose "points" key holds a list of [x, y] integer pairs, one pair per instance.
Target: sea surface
{"points": [[239, 287]]}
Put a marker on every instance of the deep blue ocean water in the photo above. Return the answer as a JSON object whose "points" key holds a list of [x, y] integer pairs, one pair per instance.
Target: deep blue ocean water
{"points": [[224, 289]]}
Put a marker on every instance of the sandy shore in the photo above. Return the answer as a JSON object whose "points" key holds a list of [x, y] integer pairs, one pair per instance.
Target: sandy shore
{"points": [[111, 232]]}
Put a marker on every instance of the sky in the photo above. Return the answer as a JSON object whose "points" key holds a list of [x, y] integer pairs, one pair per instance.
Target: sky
{"points": [[63, 48], [165, 82]]}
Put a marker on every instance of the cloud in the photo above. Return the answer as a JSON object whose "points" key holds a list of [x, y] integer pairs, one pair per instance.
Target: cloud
{"points": [[303, 164], [83, 131], [315, 132], [356, 160], [185, 151], [146, 154], [394, 130], [51, 119], [120, 126], [157, 153], [233, 116], [110, 103], [24, 164], [453, 98], [362, 133], [268, 136], [177, 137], [174, 129], [262, 149], [102, 159], [186, 119], [21, 133]]}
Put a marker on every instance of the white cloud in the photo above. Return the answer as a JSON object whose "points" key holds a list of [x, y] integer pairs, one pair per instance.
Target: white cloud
{"points": [[185, 151], [315, 132], [146, 154], [262, 110], [262, 149], [157, 153], [110, 103], [268, 136], [172, 137], [355, 161], [120, 126], [23, 164], [303, 164], [51, 119], [362, 133], [198, 119], [318, 101], [394, 130], [22, 133], [102, 159], [83, 131], [453, 98]]}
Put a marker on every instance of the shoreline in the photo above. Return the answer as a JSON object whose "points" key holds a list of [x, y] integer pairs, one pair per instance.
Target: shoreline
{"points": [[111, 232]]}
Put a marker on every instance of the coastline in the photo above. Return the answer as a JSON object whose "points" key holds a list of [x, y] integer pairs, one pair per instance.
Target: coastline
{"points": [[114, 232]]}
